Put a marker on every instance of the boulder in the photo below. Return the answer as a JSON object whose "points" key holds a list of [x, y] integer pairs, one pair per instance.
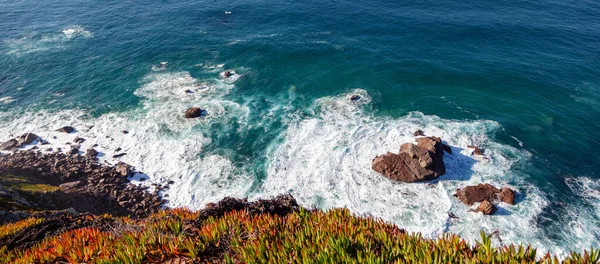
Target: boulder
{"points": [[79, 140], [486, 208], [10, 144], [421, 162], [355, 97], [193, 112], [476, 151], [419, 133], [123, 169], [507, 195], [485, 192], [91, 153], [116, 156], [477, 194], [66, 129], [27, 138]]}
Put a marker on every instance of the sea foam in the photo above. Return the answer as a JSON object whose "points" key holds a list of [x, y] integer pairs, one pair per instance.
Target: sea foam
{"points": [[38, 42]]}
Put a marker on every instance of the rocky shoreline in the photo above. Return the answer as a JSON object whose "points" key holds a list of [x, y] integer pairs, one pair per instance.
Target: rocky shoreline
{"points": [[71, 181]]}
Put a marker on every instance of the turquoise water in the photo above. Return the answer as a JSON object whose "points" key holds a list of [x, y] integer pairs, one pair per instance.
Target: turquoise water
{"points": [[520, 79]]}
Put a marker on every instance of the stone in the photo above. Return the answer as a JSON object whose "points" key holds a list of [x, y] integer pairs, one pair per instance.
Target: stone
{"points": [[70, 185], [66, 129], [419, 133], [193, 112], [116, 156], [10, 144], [421, 162], [507, 195], [355, 98], [123, 169], [486, 208], [476, 194], [125, 132], [476, 151], [27, 138], [79, 140], [91, 153]]}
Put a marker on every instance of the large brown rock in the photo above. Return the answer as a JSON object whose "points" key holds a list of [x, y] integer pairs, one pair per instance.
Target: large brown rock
{"points": [[485, 192], [421, 162], [507, 195], [486, 208], [193, 112]]}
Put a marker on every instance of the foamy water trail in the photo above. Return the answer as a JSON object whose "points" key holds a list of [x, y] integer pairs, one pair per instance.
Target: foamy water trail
{"points": [[38, 42], [159, 141], [323, 158], [325, 161]]}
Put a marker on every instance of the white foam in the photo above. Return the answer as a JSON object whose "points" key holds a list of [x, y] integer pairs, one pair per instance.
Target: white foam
{"points": [[325, 161], [7, 100], [159, 142], [36, 42]]}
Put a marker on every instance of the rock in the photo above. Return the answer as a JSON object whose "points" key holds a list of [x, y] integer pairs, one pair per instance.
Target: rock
{"points": [[476, 151], [507, 195], [486, 208], [123, 169], [193, 112], [116, 156], [485, 192], [419, 133], [70, 185], [74, 149], [170, 182], [188, 91], [476, 194], [91, 153], [118, 149], [66, 129], [355, 98], [125, 132], [27, 138], [79, 140], [227, 74], [10, 144], [421, 162]]}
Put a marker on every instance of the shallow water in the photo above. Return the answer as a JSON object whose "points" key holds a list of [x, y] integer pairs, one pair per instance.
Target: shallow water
{"points": [[522, 80]]}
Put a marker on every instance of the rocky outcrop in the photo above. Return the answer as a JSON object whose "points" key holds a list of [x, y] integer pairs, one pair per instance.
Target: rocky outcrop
{"points": [[193, 112], [485, 194], [20, 141], [27, 138], [421, 162], [83, 184], [476, 151]]}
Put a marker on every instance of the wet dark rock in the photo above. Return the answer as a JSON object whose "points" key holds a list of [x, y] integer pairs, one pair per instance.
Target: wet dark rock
{"points": [[27, 138], [227, 74], [91, 153], [123, 169], [419, 133], [66, 129], [355, 97], [193, 112], [10, 144], [188, 91], [125, 132], [116, 156], [79, 140]]}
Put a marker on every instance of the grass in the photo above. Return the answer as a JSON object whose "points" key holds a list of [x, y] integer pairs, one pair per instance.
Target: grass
{"points": [[25, 184], [304, 236]]}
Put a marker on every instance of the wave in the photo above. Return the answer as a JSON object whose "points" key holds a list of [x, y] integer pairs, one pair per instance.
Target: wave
{"points": [[35, 42]]}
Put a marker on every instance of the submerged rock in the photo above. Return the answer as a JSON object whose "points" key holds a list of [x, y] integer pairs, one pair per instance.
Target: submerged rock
{"points": [[476, 151], [419, 133], [421, 162], [66, 129], [193, 112]]}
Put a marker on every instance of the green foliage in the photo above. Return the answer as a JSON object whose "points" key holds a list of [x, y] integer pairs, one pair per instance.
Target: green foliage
{"points": [[335, 236]]}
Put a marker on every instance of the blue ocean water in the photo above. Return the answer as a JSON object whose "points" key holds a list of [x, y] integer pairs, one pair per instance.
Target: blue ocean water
{"points": [[521, 79]]}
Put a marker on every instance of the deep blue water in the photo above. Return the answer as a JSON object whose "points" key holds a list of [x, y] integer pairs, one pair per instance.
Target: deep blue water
{"points": [[522, 79]]}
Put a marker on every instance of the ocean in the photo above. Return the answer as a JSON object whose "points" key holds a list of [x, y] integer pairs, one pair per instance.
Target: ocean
{"points": [[520, 79]]}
